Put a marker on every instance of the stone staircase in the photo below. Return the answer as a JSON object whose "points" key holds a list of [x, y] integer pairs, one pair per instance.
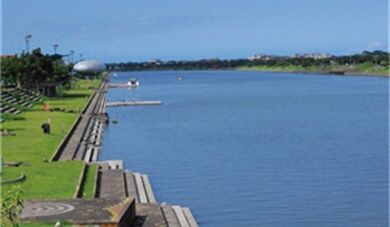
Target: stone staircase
{"points": [[113, 182]]}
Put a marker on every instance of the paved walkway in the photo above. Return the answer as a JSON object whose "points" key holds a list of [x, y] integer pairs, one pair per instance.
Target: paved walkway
{"points": [[76, 144], [112, 184], [81, 211]]}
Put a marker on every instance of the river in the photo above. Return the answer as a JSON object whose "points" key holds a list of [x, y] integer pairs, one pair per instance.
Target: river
{"points": [[258, 149]]}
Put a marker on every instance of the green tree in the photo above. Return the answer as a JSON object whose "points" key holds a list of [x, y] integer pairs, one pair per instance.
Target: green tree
{"points": [[12, 71], [11, 206], [39, 67], [281, 63], [61, 73], [8, 71], [307, 62], [384, 63]]}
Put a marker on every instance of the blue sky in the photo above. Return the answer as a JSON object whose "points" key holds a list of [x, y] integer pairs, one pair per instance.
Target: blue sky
{"points": [[140, 30]]}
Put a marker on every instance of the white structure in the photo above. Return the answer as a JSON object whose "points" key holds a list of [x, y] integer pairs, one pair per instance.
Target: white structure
{"points": [[313, 55], [89, 67]]}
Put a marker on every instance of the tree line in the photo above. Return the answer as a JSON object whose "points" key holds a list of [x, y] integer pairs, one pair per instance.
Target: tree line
{"points": [[34, 69], [379, 58]]}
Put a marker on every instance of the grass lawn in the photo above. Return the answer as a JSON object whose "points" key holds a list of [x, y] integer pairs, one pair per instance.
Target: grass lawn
{"points": [[31, 146], [47, 180], [88, 186]]}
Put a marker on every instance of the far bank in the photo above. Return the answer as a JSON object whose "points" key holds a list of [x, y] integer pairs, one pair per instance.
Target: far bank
{"points": [[335, 70]]}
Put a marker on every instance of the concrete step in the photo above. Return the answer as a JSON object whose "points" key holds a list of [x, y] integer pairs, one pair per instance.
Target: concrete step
{"points": [[112, 184], [149, 215], [131, 188], [170, 215], [144, 189], [110, 165], [185, 217]]}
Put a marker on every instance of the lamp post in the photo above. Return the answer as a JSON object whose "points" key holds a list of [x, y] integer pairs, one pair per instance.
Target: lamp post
{"points": [[27, 38], [55, 47], [71, 56]]}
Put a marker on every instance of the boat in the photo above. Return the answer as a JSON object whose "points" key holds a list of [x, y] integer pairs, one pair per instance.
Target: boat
{"points": [[133, 82], [130, 83]]}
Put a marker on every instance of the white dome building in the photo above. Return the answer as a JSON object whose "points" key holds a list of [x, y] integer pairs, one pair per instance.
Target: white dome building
{"points": [[89, 67]]}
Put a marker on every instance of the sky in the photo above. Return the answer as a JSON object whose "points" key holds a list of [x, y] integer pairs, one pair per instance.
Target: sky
{"points": [[141, 30]]}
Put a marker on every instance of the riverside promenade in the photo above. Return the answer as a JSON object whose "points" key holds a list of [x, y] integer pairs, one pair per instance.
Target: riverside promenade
{"points": [[121, 197]]}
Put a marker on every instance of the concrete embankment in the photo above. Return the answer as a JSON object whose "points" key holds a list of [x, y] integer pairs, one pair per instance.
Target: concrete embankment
{"points": [[84, 136], [112, 182]]}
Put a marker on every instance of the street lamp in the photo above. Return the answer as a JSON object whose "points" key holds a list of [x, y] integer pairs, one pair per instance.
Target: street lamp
{"points": [[71, 56], [27, 38], [55, 47]]}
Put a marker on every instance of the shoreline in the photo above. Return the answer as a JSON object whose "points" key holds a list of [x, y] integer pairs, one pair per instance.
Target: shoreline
{"points": [[346, 73], [112, 181]]}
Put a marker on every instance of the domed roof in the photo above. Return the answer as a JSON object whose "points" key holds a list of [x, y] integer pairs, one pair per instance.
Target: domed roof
{"points": [[89, 67]]}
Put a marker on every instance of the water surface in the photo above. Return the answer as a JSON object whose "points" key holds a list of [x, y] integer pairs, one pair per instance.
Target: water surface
{"points": [[258, 149]]}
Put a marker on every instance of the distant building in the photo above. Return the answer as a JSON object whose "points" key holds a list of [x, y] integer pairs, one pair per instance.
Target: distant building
{"points": [[8, 56], [214, 59], [266, 57], [155, 61], [313, 55], [48, 89]]}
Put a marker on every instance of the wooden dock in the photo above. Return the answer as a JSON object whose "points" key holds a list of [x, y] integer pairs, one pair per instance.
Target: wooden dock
{"points": [[133, 103], [122, 86]]}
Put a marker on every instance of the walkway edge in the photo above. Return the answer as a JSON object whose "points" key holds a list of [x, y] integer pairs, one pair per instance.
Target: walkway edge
{"points": [[60, 148]]}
